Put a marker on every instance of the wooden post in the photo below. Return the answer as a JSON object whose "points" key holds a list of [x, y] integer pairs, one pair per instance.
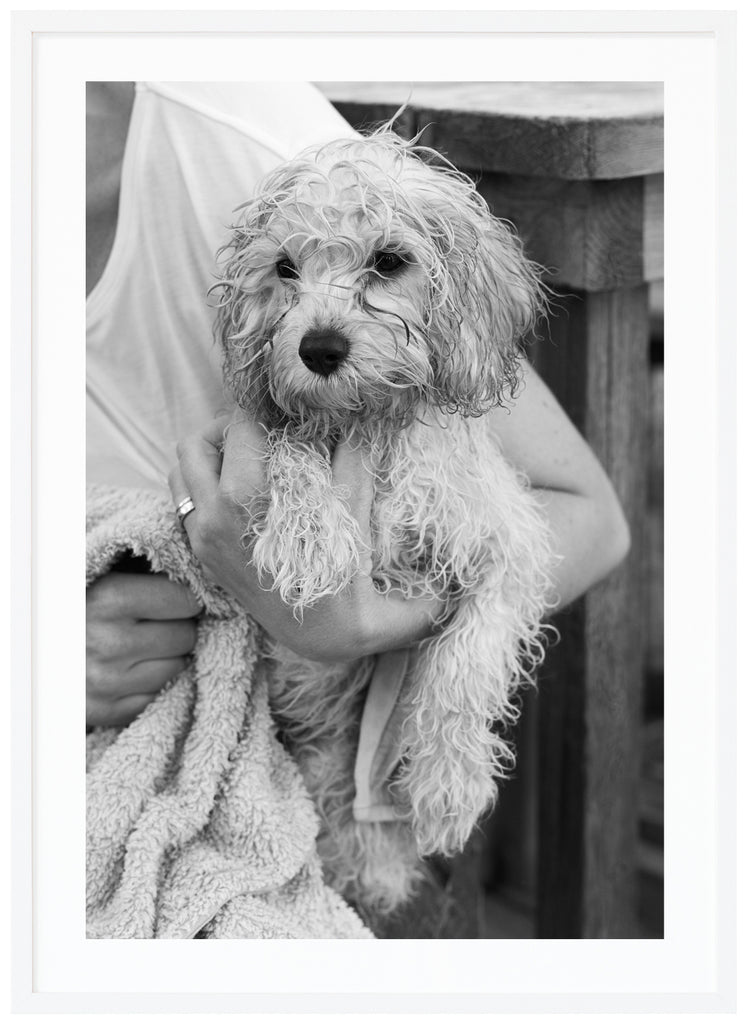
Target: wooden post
{"points": [[596, 363]]}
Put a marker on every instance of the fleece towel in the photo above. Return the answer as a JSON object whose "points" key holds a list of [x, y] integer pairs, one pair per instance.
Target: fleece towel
{"points": [[198, 821]]}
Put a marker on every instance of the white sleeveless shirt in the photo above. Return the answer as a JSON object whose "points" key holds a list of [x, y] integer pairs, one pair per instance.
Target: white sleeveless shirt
{"points": [[194, 152]]}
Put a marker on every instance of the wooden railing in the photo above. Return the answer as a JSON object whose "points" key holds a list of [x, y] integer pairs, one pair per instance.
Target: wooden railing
{"points": [[578, 169]]}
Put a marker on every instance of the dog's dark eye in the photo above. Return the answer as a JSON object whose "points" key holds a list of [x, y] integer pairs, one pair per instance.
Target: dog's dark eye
{"points": [[388, 262], [286, 268]]}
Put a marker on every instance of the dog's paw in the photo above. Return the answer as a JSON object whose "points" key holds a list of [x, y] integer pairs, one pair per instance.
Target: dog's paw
{"points": [[305, 567]]}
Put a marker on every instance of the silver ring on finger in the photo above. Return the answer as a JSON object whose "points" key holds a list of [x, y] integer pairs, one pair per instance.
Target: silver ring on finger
{"points": [[184, 508]]}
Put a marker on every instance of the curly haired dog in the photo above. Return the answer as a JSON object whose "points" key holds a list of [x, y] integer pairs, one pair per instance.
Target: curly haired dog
{"points": [[368, 293]]}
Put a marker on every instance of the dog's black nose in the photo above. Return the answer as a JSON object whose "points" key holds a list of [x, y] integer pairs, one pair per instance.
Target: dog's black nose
{"points": [[323, 351]]}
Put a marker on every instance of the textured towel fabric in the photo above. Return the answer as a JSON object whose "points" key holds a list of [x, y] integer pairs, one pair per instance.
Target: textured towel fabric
{"points": [[198, 821]]}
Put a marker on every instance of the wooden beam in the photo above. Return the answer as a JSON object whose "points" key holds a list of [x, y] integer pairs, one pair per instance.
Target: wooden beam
{"points": [[576, 131]]}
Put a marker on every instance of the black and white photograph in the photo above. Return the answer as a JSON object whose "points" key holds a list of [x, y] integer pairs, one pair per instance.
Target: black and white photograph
{"points": [[335, 508], [386, 500]]}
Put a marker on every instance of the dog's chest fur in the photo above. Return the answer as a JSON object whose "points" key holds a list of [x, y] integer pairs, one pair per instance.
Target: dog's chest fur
{"points": [[434, 505]]}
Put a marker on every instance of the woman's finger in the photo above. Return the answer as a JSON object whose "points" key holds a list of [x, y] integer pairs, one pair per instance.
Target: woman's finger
{"points": [[118, 596], [119, 713], [127, 709], [179, 493], [177, 486], [199, 468], [151, 676], [166, 639], [109, 682], [243, 471]]}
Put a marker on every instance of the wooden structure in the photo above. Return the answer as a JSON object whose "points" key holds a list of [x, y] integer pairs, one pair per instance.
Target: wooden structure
{"points": [[578, 169]]}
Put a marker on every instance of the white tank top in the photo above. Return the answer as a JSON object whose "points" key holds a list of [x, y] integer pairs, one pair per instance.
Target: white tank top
{"points": [[194, 152]]}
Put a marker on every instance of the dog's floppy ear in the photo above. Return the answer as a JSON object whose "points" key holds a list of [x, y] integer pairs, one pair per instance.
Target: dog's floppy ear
{"points": [[490, 298]]}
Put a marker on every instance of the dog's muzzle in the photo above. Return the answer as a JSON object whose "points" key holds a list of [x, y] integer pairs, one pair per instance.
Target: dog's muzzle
{"points": [[323, 351]]}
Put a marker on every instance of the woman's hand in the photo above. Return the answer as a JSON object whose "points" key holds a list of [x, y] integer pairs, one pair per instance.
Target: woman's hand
{"points": [[140, 631], [223, 475]]}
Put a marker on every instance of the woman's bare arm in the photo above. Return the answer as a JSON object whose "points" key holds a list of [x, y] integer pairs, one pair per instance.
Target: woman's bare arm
{"points": [[590, 533]]}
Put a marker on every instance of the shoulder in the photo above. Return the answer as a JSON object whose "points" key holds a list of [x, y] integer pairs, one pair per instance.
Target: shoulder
{"points": [[284, 117]]}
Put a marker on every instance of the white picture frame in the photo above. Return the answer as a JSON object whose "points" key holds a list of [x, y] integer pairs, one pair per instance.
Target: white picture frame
{"points": [[55, 968]]}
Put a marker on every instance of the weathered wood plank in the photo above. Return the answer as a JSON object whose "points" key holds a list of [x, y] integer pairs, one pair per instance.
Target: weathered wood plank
{"points": [[591, 694], [590, 235], [567, 130]]}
